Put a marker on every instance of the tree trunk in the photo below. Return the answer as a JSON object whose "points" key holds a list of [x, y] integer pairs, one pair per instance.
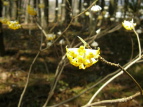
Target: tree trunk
{"points": [[87, 20], [75, 9], [56, 11], [31, 2], [26, 13], [68, 11], [2, 48], [43, 20], [112, 7], [46, 9], [13, 10], [62, 16]]}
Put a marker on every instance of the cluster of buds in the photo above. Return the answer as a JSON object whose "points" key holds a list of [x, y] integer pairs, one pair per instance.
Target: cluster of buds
{"points": [[31, 10], [6, 3], [50, 36], [4, 20]]}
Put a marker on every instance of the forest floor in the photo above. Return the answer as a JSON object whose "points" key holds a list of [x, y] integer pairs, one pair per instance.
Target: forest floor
{"points": [[21, 48]]}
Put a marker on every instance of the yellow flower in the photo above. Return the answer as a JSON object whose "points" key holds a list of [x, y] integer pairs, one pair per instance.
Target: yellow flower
{"points": [[5, 3], [41, 5], [81, 57], [3, 20], [13, 25], [100, 17], [128, 25], [50, 36], [31, 10], [87, 13]]}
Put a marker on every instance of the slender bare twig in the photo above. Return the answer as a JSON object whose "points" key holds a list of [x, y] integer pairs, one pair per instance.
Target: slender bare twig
{"points": [[102, 33], [140, 61], [57, 76], [61, 34], [120, 100], [86, 9], [132, 48], [70, 8], [43, 31], [84, 91], [111, 79], [29, 72], [52, 28], [139, 44], [27, 80], [119, 66]]}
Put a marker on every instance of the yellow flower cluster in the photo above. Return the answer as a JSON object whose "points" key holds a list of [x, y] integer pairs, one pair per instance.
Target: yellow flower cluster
{"points": [[87, 13], [128, 25], [5, 3], [13, 25], [81, 57], [50, 36], [4, 20], [41, 5], [31, 10]]}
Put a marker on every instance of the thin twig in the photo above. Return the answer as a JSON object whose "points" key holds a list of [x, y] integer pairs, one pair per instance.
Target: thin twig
{"points": [[102, 33], [43, 31], [106, 83], [84, 91], [52, 28], [27, 80], [123, 70], [138, 85], [120, 100], [61, 34], [139, 44], [70, 8], [57, 76], [119, 66], [111, 79], [29, 72], [132, 48], [86, 9]]}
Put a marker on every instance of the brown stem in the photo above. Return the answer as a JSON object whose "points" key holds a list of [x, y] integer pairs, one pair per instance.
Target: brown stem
{"points": [[119, 66], [27, 81], [57, 76], [115, 100]]}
